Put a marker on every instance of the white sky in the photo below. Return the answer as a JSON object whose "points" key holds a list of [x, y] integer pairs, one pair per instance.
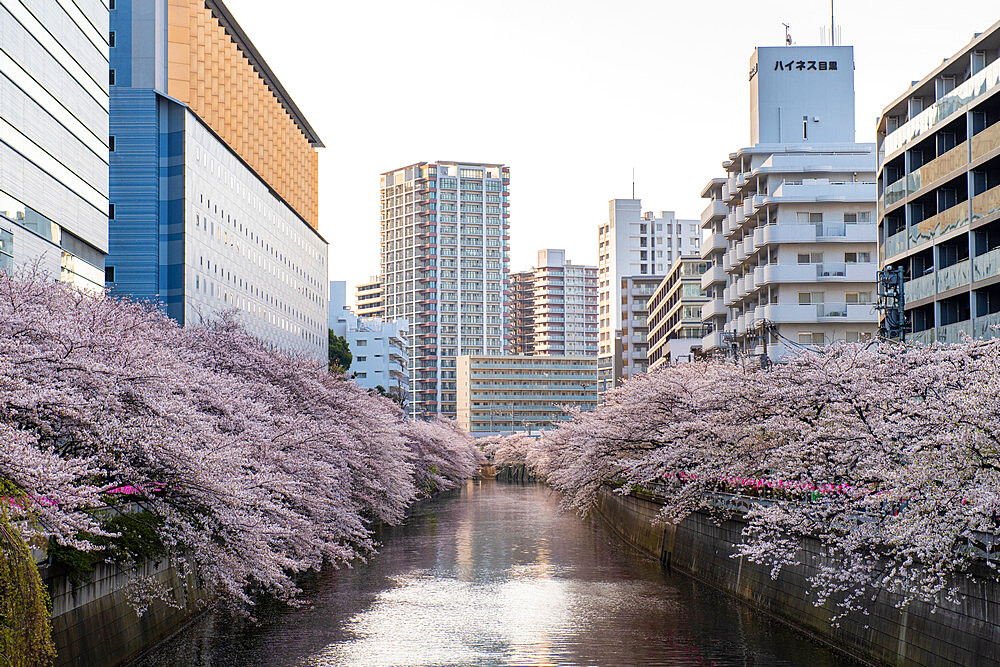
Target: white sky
{"points": [[570, 93]]}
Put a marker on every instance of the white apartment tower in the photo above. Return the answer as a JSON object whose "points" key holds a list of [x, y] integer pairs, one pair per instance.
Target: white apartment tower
{"points": [[565, 306], [444, 261], [633, 243], [789, 233]]}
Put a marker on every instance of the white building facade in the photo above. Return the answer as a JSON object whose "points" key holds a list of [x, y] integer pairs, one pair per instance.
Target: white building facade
{"points": [[639, 244], [54, 140], [789, 232], [564, 306], [379, 348], [444, 262]]}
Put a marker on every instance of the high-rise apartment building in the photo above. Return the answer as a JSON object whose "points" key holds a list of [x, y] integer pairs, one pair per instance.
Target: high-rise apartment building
{"points": [[54, 139], [368, 301], [939, 194], [214, 177], [632, 339], [675, 328], [790, 231], [565, 306], [445, 261], [633, 243], [521, 313]]}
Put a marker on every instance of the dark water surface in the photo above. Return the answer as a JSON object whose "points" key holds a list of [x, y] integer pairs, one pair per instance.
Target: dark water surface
{"points": [[496, 574]]}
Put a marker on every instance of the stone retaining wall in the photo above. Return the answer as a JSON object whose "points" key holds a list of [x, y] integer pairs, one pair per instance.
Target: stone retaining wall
{"points": [[964, 635], [93, 624]]}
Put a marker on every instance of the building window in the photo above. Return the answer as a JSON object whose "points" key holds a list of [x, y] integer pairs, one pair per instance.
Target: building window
{"points": [[811, 338], [111, 143], [111, 4], [111, 211], [111, 77], [857, 257], [111, 39], [109, 274]]}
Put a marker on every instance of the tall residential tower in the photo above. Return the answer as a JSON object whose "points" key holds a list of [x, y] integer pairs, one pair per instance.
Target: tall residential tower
{"points": [[643, 246], [789, 231], [444, 260]]}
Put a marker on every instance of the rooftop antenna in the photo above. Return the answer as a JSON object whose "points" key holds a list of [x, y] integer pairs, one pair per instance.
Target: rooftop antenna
{"points": [[833, 36], [788, 37], [633, 182]]}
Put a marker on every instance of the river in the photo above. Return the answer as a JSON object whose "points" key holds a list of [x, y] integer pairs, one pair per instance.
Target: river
{"points": [[497, 574]]}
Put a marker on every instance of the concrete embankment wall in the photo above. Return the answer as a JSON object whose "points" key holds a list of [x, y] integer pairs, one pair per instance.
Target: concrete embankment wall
{"points": [[964, 634], [94, 625]]}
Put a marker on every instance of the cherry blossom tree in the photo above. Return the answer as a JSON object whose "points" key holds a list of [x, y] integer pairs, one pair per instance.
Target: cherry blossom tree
{"points": [[887, 455], [256, 464]]}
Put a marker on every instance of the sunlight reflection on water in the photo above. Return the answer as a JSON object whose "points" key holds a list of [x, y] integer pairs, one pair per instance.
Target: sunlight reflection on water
{"points": [[495, 574]]}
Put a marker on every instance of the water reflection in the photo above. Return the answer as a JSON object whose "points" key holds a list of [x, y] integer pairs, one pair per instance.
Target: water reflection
{"points": [[495, 574]]}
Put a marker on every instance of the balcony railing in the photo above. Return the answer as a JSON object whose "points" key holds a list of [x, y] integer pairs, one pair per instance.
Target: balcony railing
{"points": [[986, 141], [956, 275], [978, 85], [896, 243], [987, 326], [952, 333], [919, 288], [941, 223], [894, 193], [986, 203], [986, 265], [940, 166]]}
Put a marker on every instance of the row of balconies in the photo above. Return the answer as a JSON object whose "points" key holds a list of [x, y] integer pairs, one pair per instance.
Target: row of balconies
{"points": [[960, 274], [981, 327], [812, 313], [983, 204], [775, 274]]}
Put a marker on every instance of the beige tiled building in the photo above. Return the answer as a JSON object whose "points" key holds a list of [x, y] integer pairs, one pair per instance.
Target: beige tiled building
{"points": [[522, 393]]}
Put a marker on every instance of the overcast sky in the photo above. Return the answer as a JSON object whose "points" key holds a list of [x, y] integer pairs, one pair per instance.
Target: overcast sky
{"points": [[570, 93]]}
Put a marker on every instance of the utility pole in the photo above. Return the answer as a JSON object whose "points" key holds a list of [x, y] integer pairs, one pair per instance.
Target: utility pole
{"points": [[891, 302]]}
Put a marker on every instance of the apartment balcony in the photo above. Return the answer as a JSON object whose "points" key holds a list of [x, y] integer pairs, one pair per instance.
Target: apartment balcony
{"points": [[895, 244], [956, 275], [752, 203], [894, 192], [985, 141], [758, 238], [727, 262], [938, 168], [741, 287], [925, 337], [741, 325], [987, 326], [987, 202], [715, 211], [712, 308], [824, 191], [748, 244], [943, 222], [986, 265], [919, 288], [953, 333], [715, 274], [713, 241], [825, 232], [740, 253], [818, 313], [729, 295], [981, 83], [712, 341]]}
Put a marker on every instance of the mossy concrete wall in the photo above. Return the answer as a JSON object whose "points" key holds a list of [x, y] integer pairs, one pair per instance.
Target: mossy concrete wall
{"points": [[94, 625], [964, 634]]}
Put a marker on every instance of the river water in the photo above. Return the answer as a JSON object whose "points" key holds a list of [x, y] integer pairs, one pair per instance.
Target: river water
{"points": [[496, 574]]}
